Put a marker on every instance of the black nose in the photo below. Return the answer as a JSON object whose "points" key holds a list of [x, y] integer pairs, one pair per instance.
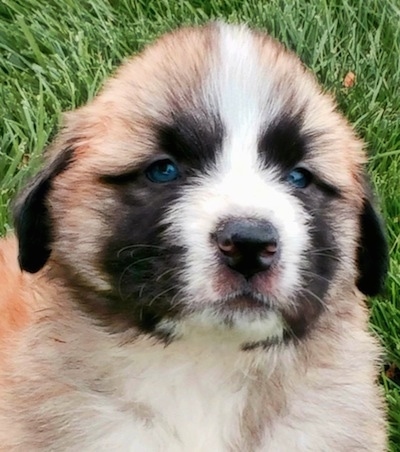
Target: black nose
{"points": [[248, 246]]}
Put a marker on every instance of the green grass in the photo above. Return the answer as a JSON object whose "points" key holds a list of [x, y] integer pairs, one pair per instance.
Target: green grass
{"points": [[55, 55]]}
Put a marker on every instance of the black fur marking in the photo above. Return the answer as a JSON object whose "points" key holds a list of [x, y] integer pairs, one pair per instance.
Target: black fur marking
{"points": [[373, 253], [322, 258], [143, 264], [284, 143], [31, 216], [192, 139]]}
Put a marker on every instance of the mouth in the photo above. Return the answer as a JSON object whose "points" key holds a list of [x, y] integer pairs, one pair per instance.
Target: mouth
{"points": [[245, 302]]}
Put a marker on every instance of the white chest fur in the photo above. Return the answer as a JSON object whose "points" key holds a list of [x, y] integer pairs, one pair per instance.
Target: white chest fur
{"points": [[172, 401]]}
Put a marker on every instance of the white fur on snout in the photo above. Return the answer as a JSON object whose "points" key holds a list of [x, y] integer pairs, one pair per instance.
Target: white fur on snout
{"points": [[236, 192]]}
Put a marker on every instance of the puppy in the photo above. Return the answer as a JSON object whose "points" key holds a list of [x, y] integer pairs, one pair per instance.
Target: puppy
{"points": [[189, 267]]}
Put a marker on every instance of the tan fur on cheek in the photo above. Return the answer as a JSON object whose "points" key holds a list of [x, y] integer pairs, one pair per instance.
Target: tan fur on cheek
{"points": [[82, 217]]}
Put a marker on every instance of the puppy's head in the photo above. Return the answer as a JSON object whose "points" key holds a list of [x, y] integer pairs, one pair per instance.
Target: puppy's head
{"points": [[211, 184]]}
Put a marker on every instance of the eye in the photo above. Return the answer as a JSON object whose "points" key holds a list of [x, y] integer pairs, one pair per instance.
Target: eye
{"points": [[162, 171], [299, 178]]}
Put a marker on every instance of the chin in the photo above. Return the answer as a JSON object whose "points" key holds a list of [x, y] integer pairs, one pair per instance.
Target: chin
{"points": [[189, 267]]}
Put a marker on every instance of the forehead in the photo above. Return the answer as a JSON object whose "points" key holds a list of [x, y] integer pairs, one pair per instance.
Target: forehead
{"points": [[222, 83]]}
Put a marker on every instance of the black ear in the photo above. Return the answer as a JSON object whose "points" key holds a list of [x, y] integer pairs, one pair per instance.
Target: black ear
{"points": [[31, 216], [373, 253]]}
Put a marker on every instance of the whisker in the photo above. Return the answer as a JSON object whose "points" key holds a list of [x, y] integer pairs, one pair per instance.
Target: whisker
{"points": [[334, 258], [128, 267], [325, 251], [170, 270], [328, 248], [179, 292], [139, 246], [315, 275], [316, 297], [142, 289], [161, 294], [125, 271], [143, 259]]}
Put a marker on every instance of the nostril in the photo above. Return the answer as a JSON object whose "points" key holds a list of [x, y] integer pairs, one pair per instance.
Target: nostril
{"points": [[270, 249], [226, 245]]}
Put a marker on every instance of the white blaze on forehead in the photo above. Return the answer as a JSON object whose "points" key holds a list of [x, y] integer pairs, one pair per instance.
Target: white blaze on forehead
{"points": [[239, 90]]}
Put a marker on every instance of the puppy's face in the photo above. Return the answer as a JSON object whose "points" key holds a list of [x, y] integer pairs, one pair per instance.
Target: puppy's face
{"points": [[211, 184]]}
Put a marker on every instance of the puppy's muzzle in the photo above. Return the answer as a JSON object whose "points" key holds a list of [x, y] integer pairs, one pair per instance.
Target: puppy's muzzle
{"points": [[247, 246]]}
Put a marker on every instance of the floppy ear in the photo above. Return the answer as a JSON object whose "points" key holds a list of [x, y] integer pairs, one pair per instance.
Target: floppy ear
{"points": [[373, 253], [31, 216]]}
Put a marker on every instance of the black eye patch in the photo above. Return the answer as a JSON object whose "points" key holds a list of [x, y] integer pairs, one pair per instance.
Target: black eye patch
{"points": [[192, 138], [283, 143]]}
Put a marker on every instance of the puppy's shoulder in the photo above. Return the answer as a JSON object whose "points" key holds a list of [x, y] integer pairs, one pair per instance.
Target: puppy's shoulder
{"points": [[17, 299]]}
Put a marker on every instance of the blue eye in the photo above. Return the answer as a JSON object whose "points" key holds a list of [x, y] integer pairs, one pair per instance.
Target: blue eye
{"points": [[299, 178], [162, 171]]}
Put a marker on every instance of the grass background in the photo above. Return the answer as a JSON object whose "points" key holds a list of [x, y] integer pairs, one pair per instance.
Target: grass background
{"points": [[54, 56]]}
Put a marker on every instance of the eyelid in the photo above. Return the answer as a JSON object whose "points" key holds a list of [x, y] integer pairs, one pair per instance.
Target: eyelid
{"points": [[120, 179], [317, 179], [327, 187], [130, 175]]}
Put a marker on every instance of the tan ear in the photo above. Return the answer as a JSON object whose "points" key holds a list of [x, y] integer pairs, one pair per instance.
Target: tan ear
{"points": [[31, 216]]}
